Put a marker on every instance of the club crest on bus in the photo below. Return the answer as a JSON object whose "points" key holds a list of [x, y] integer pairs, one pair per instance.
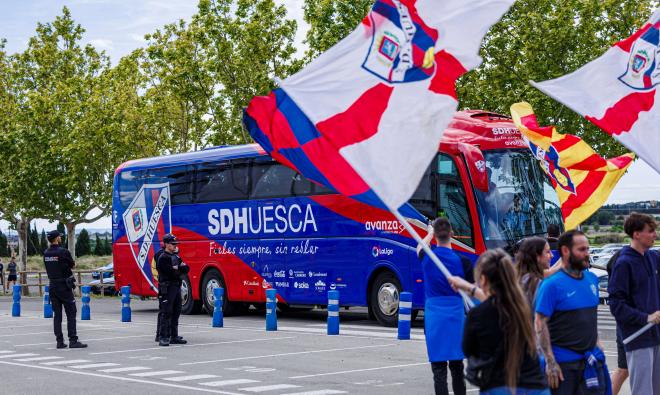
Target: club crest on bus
{"points": [[643, 72], [403, 47], [147, 219]]}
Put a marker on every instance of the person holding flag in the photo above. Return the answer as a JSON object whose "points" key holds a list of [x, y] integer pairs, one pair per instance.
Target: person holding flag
{"points": [[618, 91], [366, 117]]}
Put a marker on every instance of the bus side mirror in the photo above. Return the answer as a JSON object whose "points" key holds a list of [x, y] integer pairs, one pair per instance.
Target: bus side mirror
{"points": [[476, 165]]}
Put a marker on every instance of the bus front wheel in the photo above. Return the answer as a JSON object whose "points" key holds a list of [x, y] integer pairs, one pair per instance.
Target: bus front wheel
{"points": [[384, 299], [213, 279]]}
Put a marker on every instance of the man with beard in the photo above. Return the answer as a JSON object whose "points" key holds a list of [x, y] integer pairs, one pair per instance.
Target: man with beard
{"points": [[567, 322]]}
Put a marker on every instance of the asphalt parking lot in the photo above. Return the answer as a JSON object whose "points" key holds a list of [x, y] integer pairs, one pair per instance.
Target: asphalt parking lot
{"points": [[241, 358]]}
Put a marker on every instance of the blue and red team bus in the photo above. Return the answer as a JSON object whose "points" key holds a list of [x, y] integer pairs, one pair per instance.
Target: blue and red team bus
{"points": [[247, 223]]}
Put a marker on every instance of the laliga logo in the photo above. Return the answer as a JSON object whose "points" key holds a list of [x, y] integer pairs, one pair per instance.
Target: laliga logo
{"points": [[396, 39], [643, 72], [377, 251]]}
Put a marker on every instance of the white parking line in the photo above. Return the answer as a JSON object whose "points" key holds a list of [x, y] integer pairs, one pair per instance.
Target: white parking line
{"points": [[368, 328], [126, 369], [6, 352], [392, 335], [223, 383], [191, 377], [319, 392], [7, 356], [266, 388], [65, 362], [122, 378], [49, 332], [94, 365], [359, 370], [195, 345], [86, 340], [154, 374], [34, 359], [285, 354]]}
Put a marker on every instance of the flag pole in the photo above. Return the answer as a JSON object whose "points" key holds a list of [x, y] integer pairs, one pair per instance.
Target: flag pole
{"points": [[638, 333], [468, 302]]}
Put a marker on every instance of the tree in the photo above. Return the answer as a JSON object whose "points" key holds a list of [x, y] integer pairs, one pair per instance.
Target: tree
{"points": [[68, 94], [544, 39], [536, 40], [98, 246], [605, 217], [204, 73], [107, 246], [62, 230], [4, 247], [330, 21], [83, 244], [43, 241], [33, 241]]}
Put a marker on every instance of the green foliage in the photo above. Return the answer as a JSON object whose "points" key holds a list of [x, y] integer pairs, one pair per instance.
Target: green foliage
{"points": [[62, 230], [536, 40], [608, 238], [107, 246], [201, 75], [545, 39], [43, 242], [4, 245], [330, 21], [605, 217], [83, 243], [98, 246], [33, 241]]}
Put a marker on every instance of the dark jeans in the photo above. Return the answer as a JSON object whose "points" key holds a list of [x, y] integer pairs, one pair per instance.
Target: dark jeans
{"points": [[574, 384], [169, 297], [440, 377], [62, 296]]}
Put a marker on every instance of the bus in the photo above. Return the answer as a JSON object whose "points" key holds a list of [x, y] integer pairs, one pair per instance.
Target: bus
{"points": [[247, 223]]}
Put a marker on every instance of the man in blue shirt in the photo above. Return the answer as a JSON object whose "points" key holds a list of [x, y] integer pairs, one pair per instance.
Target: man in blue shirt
{"points": [[444, 314], [634, 289], [567, 322]]}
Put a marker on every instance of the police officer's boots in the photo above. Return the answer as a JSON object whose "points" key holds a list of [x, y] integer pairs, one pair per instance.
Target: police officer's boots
{"points": [[164, 341], [77, 344], [61, 345]]}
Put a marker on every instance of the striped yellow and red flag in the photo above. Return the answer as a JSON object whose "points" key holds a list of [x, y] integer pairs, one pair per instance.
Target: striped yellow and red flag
{"points": [[582, 178]]}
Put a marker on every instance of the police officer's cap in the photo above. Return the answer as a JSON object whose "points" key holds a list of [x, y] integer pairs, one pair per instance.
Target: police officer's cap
{"points": [[53, 234], [170, 239]]}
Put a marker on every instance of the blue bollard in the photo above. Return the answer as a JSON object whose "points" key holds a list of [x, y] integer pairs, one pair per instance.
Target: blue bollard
{"points": [[218, 319], [85, 313], [405, 312], [48, 308], [333, 312], [126, 303], [16, 307], [271, 310]]}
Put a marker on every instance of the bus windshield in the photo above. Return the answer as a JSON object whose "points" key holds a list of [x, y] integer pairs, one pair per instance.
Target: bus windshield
{"points": [[520, 201]]}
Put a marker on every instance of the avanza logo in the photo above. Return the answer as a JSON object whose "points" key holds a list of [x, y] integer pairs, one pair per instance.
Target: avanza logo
{"points": [[384, 226]]}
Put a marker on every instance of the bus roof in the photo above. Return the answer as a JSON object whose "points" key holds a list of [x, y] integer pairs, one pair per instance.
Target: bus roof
{"points": [[485, 129]]}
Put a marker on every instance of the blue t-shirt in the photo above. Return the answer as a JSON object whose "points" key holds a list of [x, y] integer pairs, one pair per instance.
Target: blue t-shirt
{"points": [[435, 283], [572, 307]]}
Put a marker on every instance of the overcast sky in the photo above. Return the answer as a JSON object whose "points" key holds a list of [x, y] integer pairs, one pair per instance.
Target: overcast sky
{"points": [[119, 26]]}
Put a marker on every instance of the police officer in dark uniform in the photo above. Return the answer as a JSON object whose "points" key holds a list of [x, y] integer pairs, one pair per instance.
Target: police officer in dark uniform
{"points": [[170, 270], [58, 262]]}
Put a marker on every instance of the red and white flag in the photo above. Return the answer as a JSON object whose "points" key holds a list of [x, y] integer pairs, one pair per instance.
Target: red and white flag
{"points": [[619, 91]]}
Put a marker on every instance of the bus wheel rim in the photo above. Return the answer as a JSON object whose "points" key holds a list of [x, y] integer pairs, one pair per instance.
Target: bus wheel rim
{"points": [[184, 293], [210, 286], [388, 299]]}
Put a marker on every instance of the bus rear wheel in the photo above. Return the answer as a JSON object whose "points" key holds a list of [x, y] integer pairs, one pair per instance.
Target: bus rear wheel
{"points": [[213, 279], [384, 299], [188, 304]]}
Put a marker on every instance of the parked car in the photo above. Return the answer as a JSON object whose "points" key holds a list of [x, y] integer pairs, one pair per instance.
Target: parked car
{"points": [[107, 290], [603, 281], [601, 262], [608, 251], [106, 274]]}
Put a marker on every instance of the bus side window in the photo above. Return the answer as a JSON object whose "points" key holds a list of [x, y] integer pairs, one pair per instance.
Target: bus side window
{"points": [[452, 202], [130, 182], [219, 182], [271, 180], [179, 179]]}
